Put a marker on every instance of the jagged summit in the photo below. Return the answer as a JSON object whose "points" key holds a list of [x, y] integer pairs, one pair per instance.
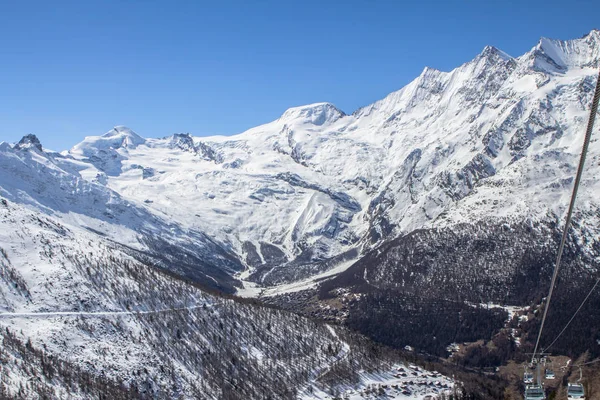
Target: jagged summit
{"points": [[316, 114], [594, 33], [432, 81], [28, 142], [428, 71], [553, 55], [491, 51], [184, 141]]}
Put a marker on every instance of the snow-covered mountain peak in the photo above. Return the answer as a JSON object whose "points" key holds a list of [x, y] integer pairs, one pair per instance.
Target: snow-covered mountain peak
{"points": [[316, 114], [426, 91], [29, 142], [118, 137], [552, 55], [429, 72], [494, 53], [594, 35], [107, 151], [124, 134], [184, 141]]}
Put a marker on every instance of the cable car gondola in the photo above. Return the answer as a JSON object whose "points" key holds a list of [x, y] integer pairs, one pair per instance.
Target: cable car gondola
{"points": [[575, 391], [534, 392]]}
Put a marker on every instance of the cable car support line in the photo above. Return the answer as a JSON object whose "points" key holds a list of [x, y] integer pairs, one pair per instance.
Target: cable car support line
{"points": [[584, 151], [573, 317]]}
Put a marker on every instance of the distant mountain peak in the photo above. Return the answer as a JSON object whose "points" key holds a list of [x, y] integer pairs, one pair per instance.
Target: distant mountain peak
{"points": [[430, 70], [29, 141], [594, 33], [129, 136], [430, 73], [316, 114], [552, 55], [116, 138], [184, 141], [491, 51]]}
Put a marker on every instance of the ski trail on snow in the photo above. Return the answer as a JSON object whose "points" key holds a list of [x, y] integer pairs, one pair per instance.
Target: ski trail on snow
{"points": [[318, 373]]}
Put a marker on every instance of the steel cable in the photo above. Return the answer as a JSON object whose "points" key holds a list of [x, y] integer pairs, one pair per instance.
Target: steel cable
{"points": [[586, 143], [573, 317]]}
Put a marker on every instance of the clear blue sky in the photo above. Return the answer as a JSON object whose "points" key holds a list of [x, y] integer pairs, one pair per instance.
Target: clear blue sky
{"points": [[74, 68]]}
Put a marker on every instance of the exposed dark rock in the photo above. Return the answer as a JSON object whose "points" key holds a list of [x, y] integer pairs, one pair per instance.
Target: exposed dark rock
{"points": [[29, 141]]}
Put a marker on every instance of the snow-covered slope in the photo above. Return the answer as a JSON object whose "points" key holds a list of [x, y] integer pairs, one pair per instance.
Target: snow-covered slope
{"points": [[51, 184], [496, 137], [79, 316]]}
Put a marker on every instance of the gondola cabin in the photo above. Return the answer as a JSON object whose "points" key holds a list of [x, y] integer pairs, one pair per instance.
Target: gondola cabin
{"points": [[534, 392], [575, 391]]}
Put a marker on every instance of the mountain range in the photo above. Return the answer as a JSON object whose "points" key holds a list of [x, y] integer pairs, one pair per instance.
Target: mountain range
{"points": [[497, 137], [452, 188]]}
